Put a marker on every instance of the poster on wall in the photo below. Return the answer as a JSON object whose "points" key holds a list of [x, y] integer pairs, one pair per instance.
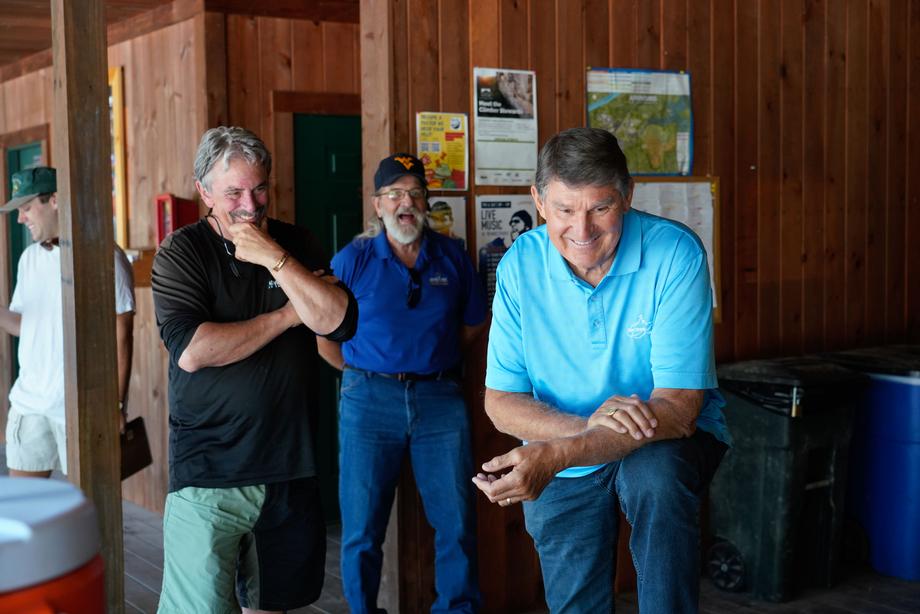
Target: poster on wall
{"points": [[441, 145], [505, 108], [650, 113], [500, 219], [690, 201], [447, 215]]}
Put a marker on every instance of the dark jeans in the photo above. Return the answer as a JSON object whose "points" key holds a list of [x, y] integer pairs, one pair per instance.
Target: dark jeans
{"points": [[379, 420], [574, 526]]}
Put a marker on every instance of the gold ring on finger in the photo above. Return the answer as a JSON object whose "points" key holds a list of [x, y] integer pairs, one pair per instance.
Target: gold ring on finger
{"points": [[611, 413]]}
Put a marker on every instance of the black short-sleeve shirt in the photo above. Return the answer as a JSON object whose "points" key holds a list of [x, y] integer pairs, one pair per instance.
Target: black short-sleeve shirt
{"points": [[248, 422]]}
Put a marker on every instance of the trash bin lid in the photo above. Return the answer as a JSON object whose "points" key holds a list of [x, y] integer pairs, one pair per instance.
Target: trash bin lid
{"points": [[47, 529], [901, 360], [801, 371]]}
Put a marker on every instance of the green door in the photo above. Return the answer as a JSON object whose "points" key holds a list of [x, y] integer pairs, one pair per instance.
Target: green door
{"points": [[327, 188], [18, 159]]}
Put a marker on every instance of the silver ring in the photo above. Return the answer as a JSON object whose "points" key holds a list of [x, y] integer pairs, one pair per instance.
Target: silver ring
{"points": [[508, 501]]}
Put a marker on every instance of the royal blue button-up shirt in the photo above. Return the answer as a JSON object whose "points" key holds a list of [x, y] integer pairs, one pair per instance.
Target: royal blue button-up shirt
{"points": [[393, 337]]}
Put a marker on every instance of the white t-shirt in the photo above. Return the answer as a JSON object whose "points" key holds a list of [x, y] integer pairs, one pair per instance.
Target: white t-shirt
{"points": [[39, 389]]}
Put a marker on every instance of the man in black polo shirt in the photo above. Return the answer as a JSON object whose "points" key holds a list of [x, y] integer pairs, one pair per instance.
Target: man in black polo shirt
{"points": [[235, 295]]}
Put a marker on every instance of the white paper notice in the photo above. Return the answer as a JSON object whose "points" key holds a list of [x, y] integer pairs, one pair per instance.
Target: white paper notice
{"points": [[506, 126], [687, 202]]}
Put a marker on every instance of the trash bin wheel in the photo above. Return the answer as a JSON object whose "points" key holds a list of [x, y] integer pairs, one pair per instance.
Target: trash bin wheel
{"points": [[725, 566]]}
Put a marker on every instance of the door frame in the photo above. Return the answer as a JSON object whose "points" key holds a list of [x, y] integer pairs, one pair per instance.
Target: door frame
{"points": [[284, 104], [41, 134]]}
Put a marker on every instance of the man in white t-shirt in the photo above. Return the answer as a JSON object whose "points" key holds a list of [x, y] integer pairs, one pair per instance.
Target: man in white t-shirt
{"points": [[35, 430]]}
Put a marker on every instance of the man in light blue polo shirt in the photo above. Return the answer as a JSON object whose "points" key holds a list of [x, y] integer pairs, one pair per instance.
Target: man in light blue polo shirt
{"points": [[419, 304], [600, 355]]}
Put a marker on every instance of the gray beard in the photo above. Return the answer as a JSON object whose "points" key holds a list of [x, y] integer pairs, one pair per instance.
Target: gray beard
{"points": [[400, 233]]}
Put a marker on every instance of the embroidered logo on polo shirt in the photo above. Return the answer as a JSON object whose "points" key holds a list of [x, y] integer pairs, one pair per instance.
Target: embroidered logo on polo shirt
{"points": [[640, 328], [438, 280], [273, 284]]}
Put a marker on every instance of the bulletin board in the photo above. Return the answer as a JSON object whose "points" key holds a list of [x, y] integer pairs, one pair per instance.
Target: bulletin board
{"points": [[693, 201]]}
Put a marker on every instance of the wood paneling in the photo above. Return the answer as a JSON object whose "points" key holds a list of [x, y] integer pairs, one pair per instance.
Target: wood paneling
{"points": [[166, 111], [25, 25], [801, 108], [816, 168], [271, 58], [165, 102]]}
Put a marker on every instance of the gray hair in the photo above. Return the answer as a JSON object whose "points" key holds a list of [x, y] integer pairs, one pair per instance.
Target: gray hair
{"points": [[374, 228], [583, 157], [225, 143]]}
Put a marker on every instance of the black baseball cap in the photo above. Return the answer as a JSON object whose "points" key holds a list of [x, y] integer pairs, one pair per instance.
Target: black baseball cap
{"points": [[399, 165]]}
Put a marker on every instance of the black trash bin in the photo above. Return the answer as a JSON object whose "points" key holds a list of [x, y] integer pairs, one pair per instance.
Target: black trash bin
{"points": [[776, 503]]}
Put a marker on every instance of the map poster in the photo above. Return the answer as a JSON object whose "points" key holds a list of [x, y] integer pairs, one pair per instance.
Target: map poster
{"points": [[447, 215], [650, 114], [442, 148], [500, 219], [505, 111]]}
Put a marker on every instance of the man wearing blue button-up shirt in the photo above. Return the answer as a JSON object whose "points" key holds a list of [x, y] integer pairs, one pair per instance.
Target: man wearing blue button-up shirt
{"points": [[419, 303], [600, 355]]}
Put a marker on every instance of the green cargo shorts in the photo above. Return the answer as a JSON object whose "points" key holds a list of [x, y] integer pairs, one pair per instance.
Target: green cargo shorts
{"points": [[260, 547]]}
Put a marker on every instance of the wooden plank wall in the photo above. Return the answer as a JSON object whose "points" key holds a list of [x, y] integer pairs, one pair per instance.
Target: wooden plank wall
{"points": [[800, 107], [266, 54], [164, 117]]}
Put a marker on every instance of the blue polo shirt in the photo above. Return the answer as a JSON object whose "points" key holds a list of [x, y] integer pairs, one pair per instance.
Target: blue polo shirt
{"points": [[647, 324], [391, 337]]}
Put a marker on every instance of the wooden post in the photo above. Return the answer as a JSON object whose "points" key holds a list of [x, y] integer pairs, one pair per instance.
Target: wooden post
{"points": [[82, 150], [377, 141]]}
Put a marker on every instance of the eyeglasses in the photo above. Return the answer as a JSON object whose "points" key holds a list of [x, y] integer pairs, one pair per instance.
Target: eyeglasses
{"points": [[233, 269], [397, 194], [414, 292]]}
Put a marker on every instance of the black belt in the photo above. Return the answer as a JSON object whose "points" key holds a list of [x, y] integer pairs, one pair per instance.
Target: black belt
{"points": [[453, 374]]}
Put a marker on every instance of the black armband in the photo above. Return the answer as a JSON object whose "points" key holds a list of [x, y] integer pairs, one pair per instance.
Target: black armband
{"points": [[346, 329]]}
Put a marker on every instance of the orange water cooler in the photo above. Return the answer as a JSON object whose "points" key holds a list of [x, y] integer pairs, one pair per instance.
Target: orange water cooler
{"points": [[49, 549]]}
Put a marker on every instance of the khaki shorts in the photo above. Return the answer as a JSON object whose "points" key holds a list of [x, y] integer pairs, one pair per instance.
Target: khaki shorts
{"points": [[35, 443]]}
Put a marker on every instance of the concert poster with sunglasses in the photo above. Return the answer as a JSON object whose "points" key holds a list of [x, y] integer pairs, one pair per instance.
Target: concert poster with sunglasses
{"points": [[500, 219], [442, 148]]}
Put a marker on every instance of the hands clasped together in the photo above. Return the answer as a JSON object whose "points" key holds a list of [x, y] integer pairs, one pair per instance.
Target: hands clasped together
{"points": [[532, 466]]}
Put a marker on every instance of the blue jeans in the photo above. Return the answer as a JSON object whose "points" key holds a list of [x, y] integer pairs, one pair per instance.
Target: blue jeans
{"points": [[574, 527], [379, 420]]}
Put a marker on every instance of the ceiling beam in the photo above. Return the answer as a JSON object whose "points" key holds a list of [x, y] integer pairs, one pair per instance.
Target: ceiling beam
{"points": [[118, 32], [319, 10]]}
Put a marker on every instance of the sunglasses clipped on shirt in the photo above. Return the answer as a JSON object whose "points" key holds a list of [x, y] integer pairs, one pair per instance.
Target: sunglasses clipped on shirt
{"points": [[414, 291]]}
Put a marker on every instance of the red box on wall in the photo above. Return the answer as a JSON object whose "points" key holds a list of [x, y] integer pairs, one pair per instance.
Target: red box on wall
{"points": [[174, 213]]}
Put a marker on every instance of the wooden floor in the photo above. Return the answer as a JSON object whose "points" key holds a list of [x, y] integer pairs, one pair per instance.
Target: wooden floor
{"points": [[144, 565], [861, 591]]}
